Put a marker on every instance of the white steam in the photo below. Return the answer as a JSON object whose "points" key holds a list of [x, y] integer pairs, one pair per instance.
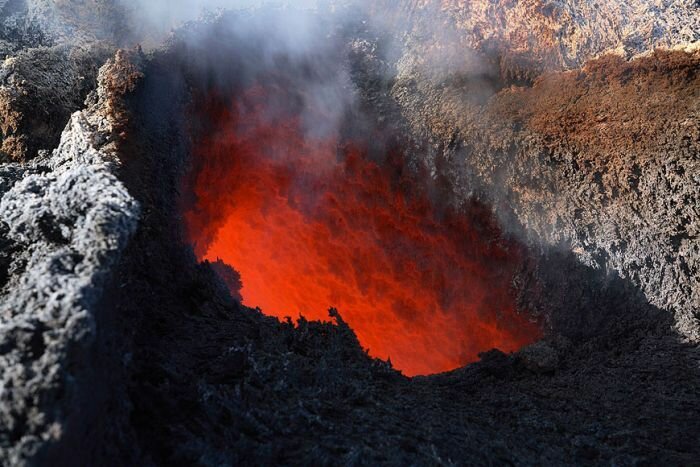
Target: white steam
{"points": [[152, 19]]}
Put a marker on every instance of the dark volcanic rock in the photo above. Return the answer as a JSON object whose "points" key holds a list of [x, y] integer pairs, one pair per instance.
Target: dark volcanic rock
{"points": [[601, 162], [118, 348], [39, 89], [67, 219], [51, 52], [211, 382]]}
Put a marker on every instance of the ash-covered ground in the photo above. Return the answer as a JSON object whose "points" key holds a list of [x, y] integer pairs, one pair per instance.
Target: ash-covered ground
{"points": [[578, 127]]}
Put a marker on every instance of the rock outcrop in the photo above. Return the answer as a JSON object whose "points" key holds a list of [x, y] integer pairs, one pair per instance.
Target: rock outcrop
{"points": [[118, 348], [39, 89], [601, 161], [523, 39], [67, 219], [51, 52]]}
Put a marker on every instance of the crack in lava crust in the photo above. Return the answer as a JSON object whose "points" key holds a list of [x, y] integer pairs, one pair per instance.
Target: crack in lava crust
{"points": [[311, 222]]}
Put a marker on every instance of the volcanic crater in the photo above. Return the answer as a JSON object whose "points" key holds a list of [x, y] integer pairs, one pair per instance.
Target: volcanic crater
{"points": [[360, 244]]}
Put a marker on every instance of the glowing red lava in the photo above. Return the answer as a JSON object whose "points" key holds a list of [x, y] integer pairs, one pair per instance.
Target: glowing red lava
{"points": [[311, 223]]}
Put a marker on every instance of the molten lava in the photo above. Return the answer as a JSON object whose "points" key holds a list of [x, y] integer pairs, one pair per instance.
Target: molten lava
{"points": [[310, 222]]}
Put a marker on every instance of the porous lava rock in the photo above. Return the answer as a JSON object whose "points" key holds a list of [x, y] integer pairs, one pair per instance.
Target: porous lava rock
{"points": [[523, 39], [118, 348], [39, 89], [600, 161], [66, 220], [51, 52]]}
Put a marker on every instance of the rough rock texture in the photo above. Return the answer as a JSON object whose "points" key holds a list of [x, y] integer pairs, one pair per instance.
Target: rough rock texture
{"points": [[35, 23], [18, 30], [602, 161], [68, 219], [526, 38], [132, 353], [39, 89], [52, 51], [211, 383]]}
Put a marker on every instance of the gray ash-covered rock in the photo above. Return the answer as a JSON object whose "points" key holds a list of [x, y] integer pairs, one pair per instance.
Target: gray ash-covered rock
{"points": [[50, 52], [26, 24], [118, 348], [18, 29], [602, 162], [39, 89], [67, 219]]}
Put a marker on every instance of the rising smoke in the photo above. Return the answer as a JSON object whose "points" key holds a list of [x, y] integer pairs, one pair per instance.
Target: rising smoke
{"points": [[284, 189], [296, 185], [151, 20]]}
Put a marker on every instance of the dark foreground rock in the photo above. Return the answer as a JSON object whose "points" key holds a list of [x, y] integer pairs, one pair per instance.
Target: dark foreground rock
{"points": [[50, 53], [118, 348], [66, 219], [39, 89]]}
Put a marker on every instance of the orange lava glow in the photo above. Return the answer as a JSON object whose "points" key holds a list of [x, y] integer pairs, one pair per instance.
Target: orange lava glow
{"points": [[311, 223]]}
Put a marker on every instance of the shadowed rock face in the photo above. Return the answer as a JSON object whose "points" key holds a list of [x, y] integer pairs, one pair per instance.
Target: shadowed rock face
{"points": [[39, 89], [116, 347], [52, 52], [600, 161]]}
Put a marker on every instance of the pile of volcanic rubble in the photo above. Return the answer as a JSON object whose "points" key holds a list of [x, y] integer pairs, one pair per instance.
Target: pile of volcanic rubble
{"points": [[581, 129]]}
